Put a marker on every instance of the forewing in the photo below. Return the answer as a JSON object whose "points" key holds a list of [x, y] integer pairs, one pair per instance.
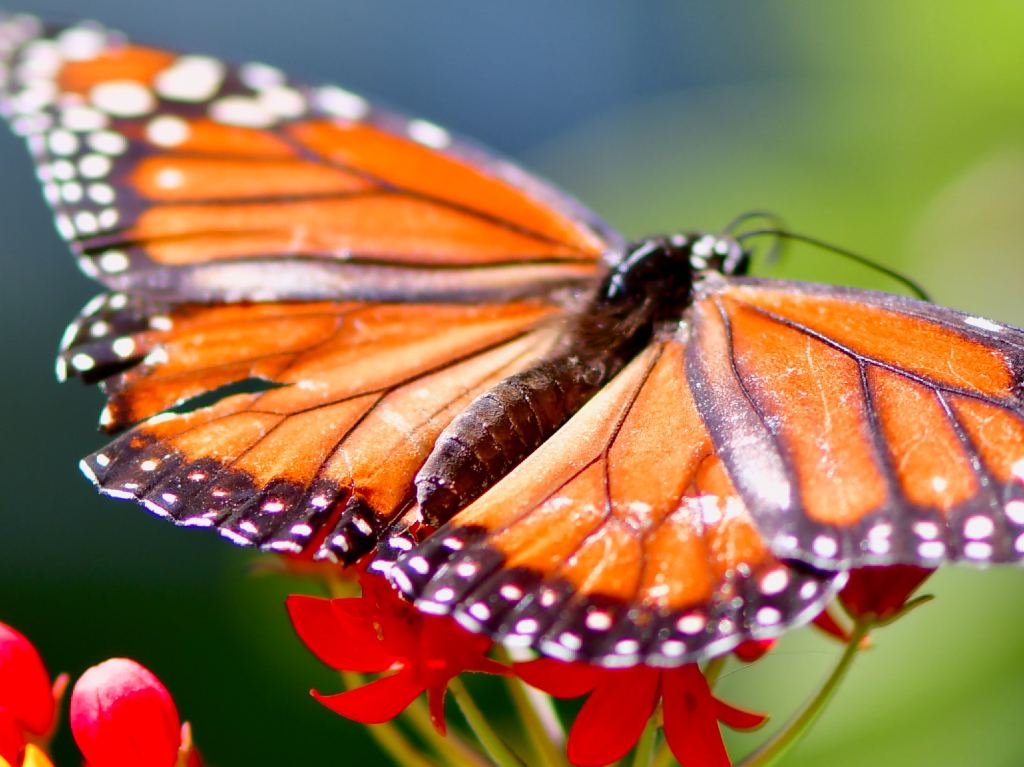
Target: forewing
{"points": [[863, 428], [620, 541], [189, 179], [353, 277], [322, 459]]}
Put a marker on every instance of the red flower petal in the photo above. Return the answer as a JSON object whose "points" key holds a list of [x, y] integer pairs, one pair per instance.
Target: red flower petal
{"points": [[394, 622], [691, 726], [753, 649], [339, 640], [738, 718], [446, 650], [122, 716], [25, 690], [558, 678], [612, 719], [378, 632], [827, 623], [881, 592], [11, 739], [376, 702]]}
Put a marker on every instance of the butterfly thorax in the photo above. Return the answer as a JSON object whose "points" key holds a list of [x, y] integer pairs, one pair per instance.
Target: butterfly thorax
{"points": [[654, 281]]}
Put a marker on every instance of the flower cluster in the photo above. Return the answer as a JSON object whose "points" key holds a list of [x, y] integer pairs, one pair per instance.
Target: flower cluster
{"points": [[121, 715], [390, 654], [379, 633], [621, 702]]}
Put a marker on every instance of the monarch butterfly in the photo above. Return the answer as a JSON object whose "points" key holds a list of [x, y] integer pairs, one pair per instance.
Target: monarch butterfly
{"points": [[608, 451]]}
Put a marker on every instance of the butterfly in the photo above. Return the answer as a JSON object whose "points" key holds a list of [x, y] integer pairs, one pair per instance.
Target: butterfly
{"points": [[334, 331]]}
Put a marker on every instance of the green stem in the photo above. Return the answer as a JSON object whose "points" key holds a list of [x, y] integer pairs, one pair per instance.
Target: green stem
{"points": [[454, 749], [664, 757], [489, 739], [388, 736], [774, 748], [547, 752], [644, 754]]}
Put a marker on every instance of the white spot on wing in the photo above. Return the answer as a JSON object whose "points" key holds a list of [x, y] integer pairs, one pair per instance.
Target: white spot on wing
{"points": [[123, 347], [243, 112], [428, 134], [113, 261], [167, 131], [123, 98], [62, 142], [86, 223], [978, 550], [978, 526], [108, 142], [82, 362], [981, 322], [774, 581], [1015, 512], [341, 103], [81, 43], [768, 616], [691, 624], [260, 76], [72, 192], [825, 546], [283, 101], [81, 118], [94, 166], [191, 78]]}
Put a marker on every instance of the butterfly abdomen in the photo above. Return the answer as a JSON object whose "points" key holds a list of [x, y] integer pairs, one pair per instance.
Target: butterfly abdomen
{"points": [[501, 427]]}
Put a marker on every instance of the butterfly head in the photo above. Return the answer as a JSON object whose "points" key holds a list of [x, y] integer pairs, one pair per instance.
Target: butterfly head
{"points": [[663, 268], [713, 252]]}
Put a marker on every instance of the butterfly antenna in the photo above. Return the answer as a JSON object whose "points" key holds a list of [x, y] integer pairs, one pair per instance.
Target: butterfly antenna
{"points": [[784, 234], [774, 224]]}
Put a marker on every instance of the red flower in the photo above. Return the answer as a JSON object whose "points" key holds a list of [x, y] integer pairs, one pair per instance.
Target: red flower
{"points": [[27, 700], [122, 716], [380, 632], [621, 702], [880, 593]]}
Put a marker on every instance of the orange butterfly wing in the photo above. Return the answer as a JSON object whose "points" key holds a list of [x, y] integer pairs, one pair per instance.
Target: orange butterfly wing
{"points": [[322, 462], [185, 178], [361, 276], [863, 428], [620, 541]]}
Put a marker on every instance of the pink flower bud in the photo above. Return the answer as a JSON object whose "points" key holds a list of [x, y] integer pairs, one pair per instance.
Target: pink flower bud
{"points": [[122, 716], [26, 696]]}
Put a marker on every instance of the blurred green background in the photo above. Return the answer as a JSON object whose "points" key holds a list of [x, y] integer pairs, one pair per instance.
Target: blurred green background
{"points": [[896, 129]]}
